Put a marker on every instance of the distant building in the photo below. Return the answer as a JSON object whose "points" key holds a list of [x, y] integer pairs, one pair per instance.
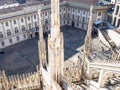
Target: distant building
{"points": [[8, 3], [108, 34], [116, 14], [20, 22]]}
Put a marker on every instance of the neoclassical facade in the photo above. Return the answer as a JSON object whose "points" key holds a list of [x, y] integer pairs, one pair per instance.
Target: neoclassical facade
{"points": [[20, 22], [116, 14]]}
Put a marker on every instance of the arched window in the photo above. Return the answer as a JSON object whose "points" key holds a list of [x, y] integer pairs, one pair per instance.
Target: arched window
{"points": [[8, 33]]}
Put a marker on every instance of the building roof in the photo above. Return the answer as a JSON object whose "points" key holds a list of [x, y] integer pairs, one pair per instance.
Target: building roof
{"points": [[101, 24], [7, 2], [89, 2], [10, 9]]}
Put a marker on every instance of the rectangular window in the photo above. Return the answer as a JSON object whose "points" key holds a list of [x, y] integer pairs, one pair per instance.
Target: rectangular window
{"points": [[17, 38], [22, 20], [64, 22], [14, 21], [6, 23], [73, 10], [46, 21], [117, 10], [28, 18], [78, 18], [64, 15], [68, 15], [1, 35], [64, 9], [29, 26], [83, 19], [45, 13], [2, 43], [68, 22], [24, 35], [83, 12], [34, 16], [77, 24], [73, 17], [118, 24], [68, 9], [10, 40]]}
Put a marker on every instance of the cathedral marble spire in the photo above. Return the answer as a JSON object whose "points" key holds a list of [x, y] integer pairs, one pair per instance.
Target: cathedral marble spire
{"points": [[55, 19], [87, 44], [55, 45], [41, 42], [88, 35]]}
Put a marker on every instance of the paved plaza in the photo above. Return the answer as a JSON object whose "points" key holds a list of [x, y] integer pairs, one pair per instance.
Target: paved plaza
{"points": [[23, 57]]}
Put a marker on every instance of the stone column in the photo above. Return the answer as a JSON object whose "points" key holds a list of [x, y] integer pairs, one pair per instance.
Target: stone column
{"points": [[12, 29], [19, 26], [3, 28], [116, 23], [100, 83]]}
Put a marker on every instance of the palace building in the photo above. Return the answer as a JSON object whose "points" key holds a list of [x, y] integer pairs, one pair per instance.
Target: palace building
{"points": [[116, 15], [20, 22]]}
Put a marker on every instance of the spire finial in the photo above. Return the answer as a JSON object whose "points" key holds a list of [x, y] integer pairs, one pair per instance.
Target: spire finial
{"points": [[40, 25], [55, 19]]}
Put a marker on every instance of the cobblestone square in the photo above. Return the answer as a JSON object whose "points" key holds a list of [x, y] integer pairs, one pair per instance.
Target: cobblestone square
{"points": [[23, 57]]}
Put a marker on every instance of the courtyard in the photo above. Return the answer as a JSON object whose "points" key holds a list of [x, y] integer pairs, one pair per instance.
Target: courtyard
{"points": [[23, 57]]}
